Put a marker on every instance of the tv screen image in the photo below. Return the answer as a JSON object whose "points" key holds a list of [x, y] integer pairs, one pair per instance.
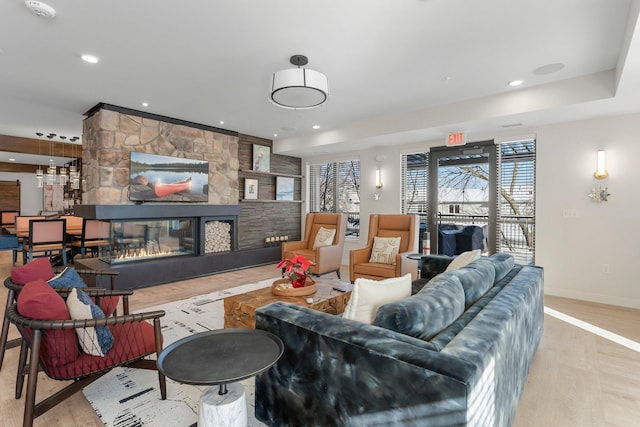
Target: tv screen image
{"points": [[159, 178]]}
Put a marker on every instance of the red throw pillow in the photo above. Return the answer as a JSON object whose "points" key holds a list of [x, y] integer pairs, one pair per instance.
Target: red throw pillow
{"points": [[38, 269], [37, 300]]}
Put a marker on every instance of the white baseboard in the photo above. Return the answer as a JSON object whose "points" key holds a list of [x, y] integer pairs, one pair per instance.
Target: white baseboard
{"points": [[597, 298]]}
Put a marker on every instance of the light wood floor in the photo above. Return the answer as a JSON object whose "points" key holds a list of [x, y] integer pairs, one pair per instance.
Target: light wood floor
{"points": [[577, 378]]}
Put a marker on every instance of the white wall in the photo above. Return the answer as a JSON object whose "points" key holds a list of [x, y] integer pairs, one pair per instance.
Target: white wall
{"points": [[571, 250], [31, 197], [574, 250]]}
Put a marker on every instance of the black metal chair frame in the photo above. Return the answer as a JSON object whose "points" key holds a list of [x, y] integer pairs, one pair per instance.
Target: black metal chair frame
{"points": [[91, 276], [30, 349]]}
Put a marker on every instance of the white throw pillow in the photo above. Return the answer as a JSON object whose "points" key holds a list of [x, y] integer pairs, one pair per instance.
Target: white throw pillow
{"points": [[385, 249], [368, 295], [95, 341], [463, 259], [324, 237]]}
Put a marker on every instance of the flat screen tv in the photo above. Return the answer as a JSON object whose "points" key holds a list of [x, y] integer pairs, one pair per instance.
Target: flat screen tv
{"points": [[155, 178]]}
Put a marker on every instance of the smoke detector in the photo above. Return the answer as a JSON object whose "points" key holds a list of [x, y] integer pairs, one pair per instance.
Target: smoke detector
{"points": [[41, 9]]}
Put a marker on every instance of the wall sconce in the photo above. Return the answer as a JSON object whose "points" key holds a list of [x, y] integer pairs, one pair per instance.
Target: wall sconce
{"points": [[601, 171], [598, 193], [378, 178]]}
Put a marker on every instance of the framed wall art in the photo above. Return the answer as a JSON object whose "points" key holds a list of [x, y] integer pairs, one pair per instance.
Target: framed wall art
{"points": [[251, 189], [284, 188], [53, 198], [261, 158]]}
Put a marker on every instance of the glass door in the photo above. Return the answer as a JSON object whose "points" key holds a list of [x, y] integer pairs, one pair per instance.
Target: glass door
{"points": [[461, 200]]}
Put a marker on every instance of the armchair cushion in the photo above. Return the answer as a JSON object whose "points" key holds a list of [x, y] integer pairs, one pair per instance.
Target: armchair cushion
{"points": [[324, 237], [68, 278], [385, 249], [368, 295], [131, 341], [38, 269], [39, 301], [95, 341]]}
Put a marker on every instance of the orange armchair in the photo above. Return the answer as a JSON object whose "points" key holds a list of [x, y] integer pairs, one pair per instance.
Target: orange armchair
{"points": [[325, 258], [403, 226]]}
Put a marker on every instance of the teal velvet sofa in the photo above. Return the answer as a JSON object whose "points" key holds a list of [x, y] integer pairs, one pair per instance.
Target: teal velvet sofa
{"points": [[456, 353]]}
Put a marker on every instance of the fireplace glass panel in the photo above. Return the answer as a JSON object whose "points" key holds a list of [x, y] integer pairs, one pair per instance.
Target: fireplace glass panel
{"points": [[141, 240]]}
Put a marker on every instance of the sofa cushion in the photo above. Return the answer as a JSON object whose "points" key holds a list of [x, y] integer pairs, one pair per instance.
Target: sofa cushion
{"points": [[476, 279], [324, 237], [385, 249], [463, 259], [368, 295], [503, 264], [37, 269], [426, 313]]}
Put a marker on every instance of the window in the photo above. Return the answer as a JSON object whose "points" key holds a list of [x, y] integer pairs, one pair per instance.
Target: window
{"points": [[335, 187], [516, 206], [414, 184]]}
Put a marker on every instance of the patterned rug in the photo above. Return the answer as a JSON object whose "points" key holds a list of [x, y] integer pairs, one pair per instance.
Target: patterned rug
{"points": [[128, 397]]}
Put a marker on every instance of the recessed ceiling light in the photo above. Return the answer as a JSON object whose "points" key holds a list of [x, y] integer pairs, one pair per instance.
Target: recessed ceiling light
{"points": [[548, 69], [89, 58], [40, 9], [316, 126], [12, 160], [275, 134], [144, 104], [221, 122], [515, 82]]}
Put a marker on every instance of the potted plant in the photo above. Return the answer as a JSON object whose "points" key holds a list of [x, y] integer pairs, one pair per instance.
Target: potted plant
{"points": [[296, 272]]}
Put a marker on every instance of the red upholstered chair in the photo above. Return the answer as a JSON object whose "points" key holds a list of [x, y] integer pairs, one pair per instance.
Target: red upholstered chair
{"points": [[41, 269], [50, 340], [325, 259]]}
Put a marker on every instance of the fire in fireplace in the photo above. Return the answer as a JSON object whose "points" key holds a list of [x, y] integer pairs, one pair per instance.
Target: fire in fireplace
{"points": [[143, 240]]}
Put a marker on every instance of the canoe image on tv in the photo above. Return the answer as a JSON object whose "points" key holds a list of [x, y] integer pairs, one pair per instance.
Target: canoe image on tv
{"points": [[167, 179]]}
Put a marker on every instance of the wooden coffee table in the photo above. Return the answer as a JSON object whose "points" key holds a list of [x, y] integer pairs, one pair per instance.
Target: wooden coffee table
{"points": [[240, 310]]}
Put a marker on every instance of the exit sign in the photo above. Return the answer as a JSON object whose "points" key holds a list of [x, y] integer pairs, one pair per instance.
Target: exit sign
{"points": [[458, 138]]}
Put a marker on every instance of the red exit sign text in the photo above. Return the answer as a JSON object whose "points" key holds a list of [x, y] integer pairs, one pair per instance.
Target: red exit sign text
{"points": [[458, 138]]}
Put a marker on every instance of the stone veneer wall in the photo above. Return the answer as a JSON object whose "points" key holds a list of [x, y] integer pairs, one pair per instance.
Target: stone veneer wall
{"points": [[109, 136]]}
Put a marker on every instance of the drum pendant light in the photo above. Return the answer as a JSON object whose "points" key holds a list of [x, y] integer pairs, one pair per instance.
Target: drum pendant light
{"points": [[299, 88]]}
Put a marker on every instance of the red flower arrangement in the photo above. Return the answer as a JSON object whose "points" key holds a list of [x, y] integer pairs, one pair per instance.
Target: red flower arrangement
{"points": [[297, 269]]}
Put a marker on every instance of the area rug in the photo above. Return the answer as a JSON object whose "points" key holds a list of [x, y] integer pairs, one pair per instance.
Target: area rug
{"points": [[128, 397]]}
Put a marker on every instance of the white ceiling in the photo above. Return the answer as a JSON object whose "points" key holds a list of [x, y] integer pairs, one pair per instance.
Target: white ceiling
{"points": [[399, 71]]}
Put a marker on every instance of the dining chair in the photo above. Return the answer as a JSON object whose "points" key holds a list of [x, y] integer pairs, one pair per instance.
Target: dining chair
{"points": [[95, 235], [9, 218], [21, 229], [47, 237], [74, 224]]}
